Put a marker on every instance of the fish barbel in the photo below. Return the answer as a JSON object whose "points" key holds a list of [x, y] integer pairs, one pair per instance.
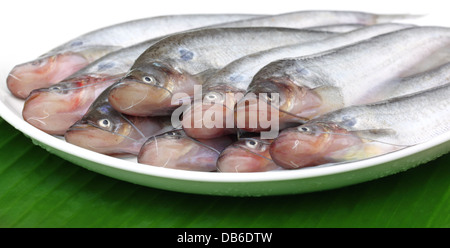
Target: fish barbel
{"points": [[364, 131], [66, 59], [310, 86]]}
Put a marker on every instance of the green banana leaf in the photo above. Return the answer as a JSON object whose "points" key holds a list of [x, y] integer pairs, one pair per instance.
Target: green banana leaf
{"points": [[38, 189]]}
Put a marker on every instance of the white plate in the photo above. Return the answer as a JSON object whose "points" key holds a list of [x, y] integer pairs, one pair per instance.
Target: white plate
{"points": [[235, 184], [20, 48]]}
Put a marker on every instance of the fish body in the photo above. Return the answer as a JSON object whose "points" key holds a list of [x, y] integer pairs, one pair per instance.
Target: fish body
{"points": [[175, 64], [412, 84], [236, 76], [176, 150], [363, 131], [311, 86], [68, 58], [314, 18], [102, 129]]}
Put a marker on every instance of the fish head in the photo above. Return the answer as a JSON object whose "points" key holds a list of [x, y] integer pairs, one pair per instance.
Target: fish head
{"points": [[311, 144], [246, 155], [176, 150], [104, 130], [43, 72], [275, 97], [150, 90], [212, 115], [54, 109]]}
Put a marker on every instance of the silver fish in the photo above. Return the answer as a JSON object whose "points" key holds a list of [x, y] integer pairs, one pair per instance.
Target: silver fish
{"points": [[235, 77], [311, 86], [75, 54], [172, 66], [314, 18], [364, 131]]}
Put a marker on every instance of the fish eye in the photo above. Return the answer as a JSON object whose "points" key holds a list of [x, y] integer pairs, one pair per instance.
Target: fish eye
{"points": [[149, 79], [173, 134], [251, 144], [304, 129], [58, 89], [270, 97], [213, 96], [105, 123]]}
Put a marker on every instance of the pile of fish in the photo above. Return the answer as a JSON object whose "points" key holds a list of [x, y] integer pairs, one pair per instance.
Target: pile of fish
{"points": [[197, 92]]}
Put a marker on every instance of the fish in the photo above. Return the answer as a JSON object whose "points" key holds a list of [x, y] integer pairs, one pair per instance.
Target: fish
{"points": [[166, 72], [247, 155], [317, 18], [230, 83], [365, 131], [56, 108], [104, 130], [309, 86], [175, 150], [66, 59], [125, 103]]}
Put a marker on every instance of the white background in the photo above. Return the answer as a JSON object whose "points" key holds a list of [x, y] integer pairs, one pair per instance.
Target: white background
{"points": [[30, 28]]}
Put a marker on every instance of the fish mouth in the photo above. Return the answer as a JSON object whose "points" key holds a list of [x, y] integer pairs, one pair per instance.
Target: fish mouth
{"points": [[306, 146], [290, 151], [205, 120], [255, 114], [53, 113], [237, 158], [95, 138], [135, 98], [43, 72], [180, 152]]}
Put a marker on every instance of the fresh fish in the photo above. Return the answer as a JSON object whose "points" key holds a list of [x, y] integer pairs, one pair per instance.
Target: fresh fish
{"points": [[176, 150], [247, 155], [314, 18], [311, 86], [56, 108], [231, 82], [66, 59], [167, 71], [364, 131], [102, 129]]}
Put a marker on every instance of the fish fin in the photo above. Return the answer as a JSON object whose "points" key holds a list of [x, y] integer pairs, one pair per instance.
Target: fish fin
{"points": [[330, 95]]}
